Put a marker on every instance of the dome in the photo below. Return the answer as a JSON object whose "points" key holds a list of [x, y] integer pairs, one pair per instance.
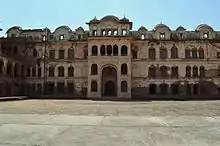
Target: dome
{"points": [[64, 26], [14, 27], [161, 26], [180, 28], [94, 20], [46, 29], [203, 26], [124, 19], [110, 18], [80, 29]]}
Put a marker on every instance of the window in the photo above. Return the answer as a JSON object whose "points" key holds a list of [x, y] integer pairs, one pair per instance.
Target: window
{"points": [[124, 86], [35, 53], [188, 71], [94, 50], [195, 71], [115, 32], [194, 53], [134, 54], [205, 35], [71, 53], [61, 37], [124, 50], [124, 32], [124, 69], [60, 87], [22, 71], [181, 35], [109, 50], [94, 33], [163, 53], [163, 88], [102, 50], [174, 71], [187, 53], [162, 35], [61, 54], [34, 72], [174, 52], [70, 87], [52, 54], [142, 37], [9, 68], [163, 71], [16, 70], [28, 72], [70, 71], [94, 69], [218, 54], [201, 53], [115, 50], [152, 72], [109, 32], [103, 33], [51, 71], [94, 86], [61, 71], [152, 53], [202, 71], [39, 71], [1, 67]]}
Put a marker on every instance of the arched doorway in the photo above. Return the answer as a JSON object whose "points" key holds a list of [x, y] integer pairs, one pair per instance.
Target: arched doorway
{"points": [[109, 81]]}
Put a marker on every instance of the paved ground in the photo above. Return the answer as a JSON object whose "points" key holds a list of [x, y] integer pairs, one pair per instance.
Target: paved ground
{"points": [[102, 123]]}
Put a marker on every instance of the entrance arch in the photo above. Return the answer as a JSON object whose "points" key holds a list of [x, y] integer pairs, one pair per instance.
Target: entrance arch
{"points": [[109, 81]]}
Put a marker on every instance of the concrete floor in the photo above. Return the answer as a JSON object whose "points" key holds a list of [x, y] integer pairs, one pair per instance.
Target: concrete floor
{"points": [[102, 123]]}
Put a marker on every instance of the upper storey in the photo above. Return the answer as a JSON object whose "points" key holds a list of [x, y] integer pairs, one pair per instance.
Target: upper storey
{"points": [[112, 26], [109, 26]]}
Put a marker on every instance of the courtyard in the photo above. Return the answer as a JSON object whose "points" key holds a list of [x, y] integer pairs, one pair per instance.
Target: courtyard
{"points": [[109, 123]]}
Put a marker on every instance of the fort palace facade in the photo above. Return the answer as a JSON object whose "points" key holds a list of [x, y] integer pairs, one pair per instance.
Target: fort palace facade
{"points": [[111, 60]]}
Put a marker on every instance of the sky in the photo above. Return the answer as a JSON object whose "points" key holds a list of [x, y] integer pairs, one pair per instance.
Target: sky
{"points": [[31, 14]]}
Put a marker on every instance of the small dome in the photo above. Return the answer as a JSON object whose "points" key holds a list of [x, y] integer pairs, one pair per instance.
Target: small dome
{"points": [[203, 26], [124, 19], [180, 28], [46, 29], [161, 26], [64, 26], [80, 29], [14, 27], [142, 28], [94, 20], [110, 17]]}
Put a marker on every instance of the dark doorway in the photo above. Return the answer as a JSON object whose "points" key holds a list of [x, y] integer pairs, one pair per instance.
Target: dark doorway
{"points": [[152, 89], [109, 81], [110, 89], [175, 89], [195, 89]]}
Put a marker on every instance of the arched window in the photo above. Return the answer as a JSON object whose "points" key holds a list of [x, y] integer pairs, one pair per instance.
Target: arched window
{"points": [[94, 50], [1, 67], [124, 50], [187, 53], [102, 50], [174, 71], [94, 86], [39, 71], [142, 36], [124, 32], [70, 53], [23, 71], [109, 32], [152, 53], [163, 53], [124, 86], [115, 32], [16, 70], [152, 72], [61, 71], [163, 88], [174, 52], [9, 68], [70, 71], [51, 71], [124, 69], [94, 33], [195, 71], [163, 71], [28, 72], [201, 53], [194, 53], [35, 53], [202, 71], [34, 71], [109, 50], [115, 50], [94, 69], [188, 71], [103, 32]]}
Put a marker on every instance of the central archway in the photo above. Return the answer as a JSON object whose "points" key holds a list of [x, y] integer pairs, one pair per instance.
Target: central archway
{"points": [[109, 81]]}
